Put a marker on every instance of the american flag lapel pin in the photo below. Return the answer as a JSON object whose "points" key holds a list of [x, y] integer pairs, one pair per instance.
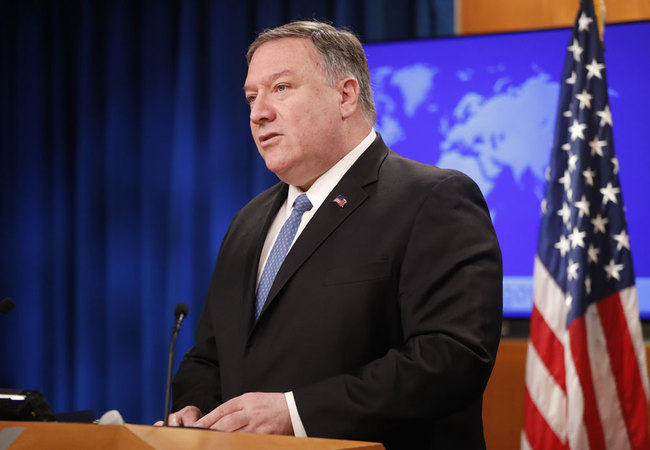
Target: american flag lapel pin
{"points": [[340, 200]]}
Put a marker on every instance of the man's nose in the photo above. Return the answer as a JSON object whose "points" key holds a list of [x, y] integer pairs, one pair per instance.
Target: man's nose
{"points": [[261, 109]]}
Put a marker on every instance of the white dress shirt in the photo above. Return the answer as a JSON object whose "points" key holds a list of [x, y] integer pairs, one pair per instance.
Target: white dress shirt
{"points": [[317, 194]]}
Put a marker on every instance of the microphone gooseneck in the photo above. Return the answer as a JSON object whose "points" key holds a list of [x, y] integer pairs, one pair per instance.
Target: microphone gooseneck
{"points": [[180, 313]]}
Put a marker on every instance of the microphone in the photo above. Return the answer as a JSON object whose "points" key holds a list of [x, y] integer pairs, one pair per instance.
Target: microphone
{"points": [[6, 305], [180, 313]]}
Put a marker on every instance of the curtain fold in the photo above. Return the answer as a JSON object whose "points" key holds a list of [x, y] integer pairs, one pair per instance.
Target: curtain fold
{"points": [[124, 153]]}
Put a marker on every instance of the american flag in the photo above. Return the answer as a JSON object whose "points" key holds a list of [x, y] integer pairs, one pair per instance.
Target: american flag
{"points": [[586, 377]]}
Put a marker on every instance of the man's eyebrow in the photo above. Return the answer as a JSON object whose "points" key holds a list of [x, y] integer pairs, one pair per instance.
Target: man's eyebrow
{"points": [[271, 78]]}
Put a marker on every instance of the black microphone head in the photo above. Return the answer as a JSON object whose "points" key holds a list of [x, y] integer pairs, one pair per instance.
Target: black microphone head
{"points": [[7, 304], [181, 308]]}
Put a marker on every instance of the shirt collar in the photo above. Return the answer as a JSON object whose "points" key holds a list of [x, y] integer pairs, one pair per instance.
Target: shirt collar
{"points": [[327, 181]]}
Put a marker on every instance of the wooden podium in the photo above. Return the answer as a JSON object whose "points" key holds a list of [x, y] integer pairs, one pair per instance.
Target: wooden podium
{"points": [[52, 435]]}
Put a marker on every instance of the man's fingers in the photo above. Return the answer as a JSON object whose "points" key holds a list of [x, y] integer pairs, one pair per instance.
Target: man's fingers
{"points": [[216, 414], [232, 422], [185, 417]]}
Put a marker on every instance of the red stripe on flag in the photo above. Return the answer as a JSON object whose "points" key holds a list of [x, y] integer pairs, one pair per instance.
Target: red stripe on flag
{"points": [[580, 356], [548, 347], [625, 368], [538, 432]]}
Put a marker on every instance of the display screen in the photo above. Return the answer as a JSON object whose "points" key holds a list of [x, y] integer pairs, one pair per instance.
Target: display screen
{"points": [[486, 105]]}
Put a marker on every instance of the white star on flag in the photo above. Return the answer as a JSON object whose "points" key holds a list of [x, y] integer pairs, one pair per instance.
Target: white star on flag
{"points": [[599, 224], [571, 80], [572, 270], [613, 270], [577, 130], [573, 160], [592, 253], [565, 213], [589, 176], [623, 240], [565, 180], [605, 116], [593, 69], [583, 206], [577, 238], [575, 49], [597, 146], [584, 98], [583, 22], [609, 193], [564, 246]]}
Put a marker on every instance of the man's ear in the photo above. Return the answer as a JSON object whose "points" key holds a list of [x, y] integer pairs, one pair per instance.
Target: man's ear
{"points": [[349, 89]]}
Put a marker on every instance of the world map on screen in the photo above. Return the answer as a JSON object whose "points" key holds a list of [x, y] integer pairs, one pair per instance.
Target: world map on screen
{"points": [[485, 106]]}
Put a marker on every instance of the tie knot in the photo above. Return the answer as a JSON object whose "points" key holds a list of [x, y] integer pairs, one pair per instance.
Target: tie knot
{"points": [[302, 204]]}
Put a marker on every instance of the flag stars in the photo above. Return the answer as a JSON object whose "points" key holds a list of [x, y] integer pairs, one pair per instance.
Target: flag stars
{"points": [[566, 147], [565, 213], [613, 270], [597, 146], [571, 80], [577, 130], [565, 180], [568, 300], [605, 116], [623, 240], [585, 99], [614, 161], [609, 193], [589, 176], [588, 285], [577, 238], [594, 69], [599, 223], [592, 254], [563, 246], [583, 22], [575, 49], [583, 206], [572, 270], [573, 160]]}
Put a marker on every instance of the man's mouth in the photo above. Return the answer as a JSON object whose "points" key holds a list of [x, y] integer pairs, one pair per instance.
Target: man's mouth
{"points": [[267, 138]]}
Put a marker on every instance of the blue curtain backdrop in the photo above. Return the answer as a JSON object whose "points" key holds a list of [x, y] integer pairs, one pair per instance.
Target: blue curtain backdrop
{"points": [[124, 153]]}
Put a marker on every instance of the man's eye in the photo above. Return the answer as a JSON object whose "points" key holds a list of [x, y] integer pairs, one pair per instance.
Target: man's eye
{"points": [[250, 99], [282, 87]]}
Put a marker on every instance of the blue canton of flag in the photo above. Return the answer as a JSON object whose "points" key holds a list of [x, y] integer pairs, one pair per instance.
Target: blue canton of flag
{"points": [[584, 242], [586, 376]]}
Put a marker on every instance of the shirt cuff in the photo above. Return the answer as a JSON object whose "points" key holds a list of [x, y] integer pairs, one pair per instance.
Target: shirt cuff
{"points": [[298, 428]]}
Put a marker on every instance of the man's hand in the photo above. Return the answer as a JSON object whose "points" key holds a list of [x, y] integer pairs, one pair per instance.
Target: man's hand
{"points": [[254, 412], [186, 417]]}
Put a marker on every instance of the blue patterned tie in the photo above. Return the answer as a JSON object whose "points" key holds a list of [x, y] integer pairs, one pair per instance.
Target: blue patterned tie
{"points": [[279, 250]]}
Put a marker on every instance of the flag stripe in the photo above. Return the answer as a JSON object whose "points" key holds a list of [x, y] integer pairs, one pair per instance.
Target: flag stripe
{"points": [[545, 393], [580, 356], [549, 348], [609, 406], [625, 368], [538, 433], [631, 308]]}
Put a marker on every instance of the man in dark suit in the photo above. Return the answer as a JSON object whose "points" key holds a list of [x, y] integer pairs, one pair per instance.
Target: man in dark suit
{"points": [[383, 321]]}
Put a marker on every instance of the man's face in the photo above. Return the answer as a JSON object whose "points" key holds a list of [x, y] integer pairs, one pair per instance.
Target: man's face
{"points": [[295, 115]]}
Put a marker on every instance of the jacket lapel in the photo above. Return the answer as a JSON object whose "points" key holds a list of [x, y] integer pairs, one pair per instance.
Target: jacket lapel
{"points": [[257, 235], [330, 215]]}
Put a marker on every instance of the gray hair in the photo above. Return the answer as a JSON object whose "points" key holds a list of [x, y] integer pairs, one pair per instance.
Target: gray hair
{"points": [[340, 51]]}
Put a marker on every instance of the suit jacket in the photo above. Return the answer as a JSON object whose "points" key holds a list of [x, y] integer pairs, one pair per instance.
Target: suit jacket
{"points": [[384, 319]]}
